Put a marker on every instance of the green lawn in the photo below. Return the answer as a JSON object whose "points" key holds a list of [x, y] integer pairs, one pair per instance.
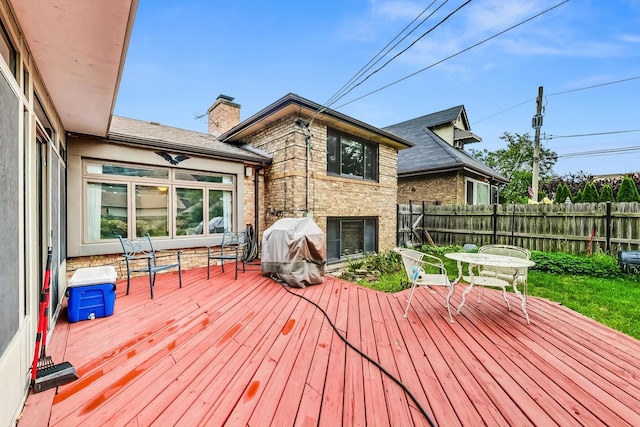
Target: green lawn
{"points": [[613, 301]]}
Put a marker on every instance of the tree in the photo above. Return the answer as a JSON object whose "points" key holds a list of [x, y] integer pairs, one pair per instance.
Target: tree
{"points": [[562, 192], [574, 181], [515, 162], [607, 194], [590, 193], [516, 191], [578, 197], [628, 192], [517, 156]]}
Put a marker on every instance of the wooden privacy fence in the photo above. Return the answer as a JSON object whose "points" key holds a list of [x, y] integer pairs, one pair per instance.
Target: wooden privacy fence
{"points": [[572, 228]]}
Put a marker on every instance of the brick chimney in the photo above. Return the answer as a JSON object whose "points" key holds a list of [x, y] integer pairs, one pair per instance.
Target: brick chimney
{"points": [[223, 115]]}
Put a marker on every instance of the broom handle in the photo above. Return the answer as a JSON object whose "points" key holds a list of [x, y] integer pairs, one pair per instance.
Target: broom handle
{"points": [[47, 298], [41, 319]]}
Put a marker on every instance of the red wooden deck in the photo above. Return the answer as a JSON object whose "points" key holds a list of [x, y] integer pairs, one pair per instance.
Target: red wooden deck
{"points": [[246, 352]]}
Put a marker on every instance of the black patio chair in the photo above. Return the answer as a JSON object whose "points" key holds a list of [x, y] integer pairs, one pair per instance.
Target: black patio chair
{"points": [[231, 248], [140, 256]]}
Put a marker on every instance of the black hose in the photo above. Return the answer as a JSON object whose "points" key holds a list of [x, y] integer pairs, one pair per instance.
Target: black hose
{"points": [[376, 364], [251, 252]]}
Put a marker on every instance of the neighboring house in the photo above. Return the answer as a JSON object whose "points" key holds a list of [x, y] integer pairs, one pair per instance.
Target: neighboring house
{"points": [[328, 166], [437, 169], [60, 66]]}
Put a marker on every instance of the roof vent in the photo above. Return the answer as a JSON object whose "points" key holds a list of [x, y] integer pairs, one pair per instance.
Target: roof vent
{"points": [[155, 123]]}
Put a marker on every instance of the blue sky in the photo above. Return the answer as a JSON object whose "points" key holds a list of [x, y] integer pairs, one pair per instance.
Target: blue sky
{"points": [[182, 55]]}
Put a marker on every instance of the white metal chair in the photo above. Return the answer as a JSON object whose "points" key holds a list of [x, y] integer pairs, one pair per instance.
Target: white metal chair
{"points": [[501, 272], [425, 270]]}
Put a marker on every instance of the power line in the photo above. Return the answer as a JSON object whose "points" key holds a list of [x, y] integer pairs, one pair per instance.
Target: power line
{"points": [[559, 93], [597, 153], [590, 134], [373, 61], [455, 54], [504, 111], [406, 48], [594, 86]]}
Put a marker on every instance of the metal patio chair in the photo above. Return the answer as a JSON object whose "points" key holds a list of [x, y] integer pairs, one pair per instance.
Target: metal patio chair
{"points": [[140, 256], [425, 270], [232, 248]]}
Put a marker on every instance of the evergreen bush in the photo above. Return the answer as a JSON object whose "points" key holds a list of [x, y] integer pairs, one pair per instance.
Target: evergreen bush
{"points": [[590, 193], [607, 194], [628, 192]]}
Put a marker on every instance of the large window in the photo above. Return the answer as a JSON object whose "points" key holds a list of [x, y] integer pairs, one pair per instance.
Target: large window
{"points": [[477, 192], [350, 157], [132, 200], [348, 237]]}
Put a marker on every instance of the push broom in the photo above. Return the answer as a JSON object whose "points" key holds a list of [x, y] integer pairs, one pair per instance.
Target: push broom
{"points": [[44, 373]]}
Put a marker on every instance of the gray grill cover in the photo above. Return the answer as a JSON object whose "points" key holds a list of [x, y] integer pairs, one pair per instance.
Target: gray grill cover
{"points": [[294, 249]]}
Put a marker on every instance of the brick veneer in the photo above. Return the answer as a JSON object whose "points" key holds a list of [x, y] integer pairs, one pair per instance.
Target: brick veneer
{"points": [[446, 189], [285, 189]]}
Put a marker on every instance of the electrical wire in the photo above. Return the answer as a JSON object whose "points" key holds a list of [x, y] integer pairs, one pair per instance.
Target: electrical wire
{"points": [[361, 353], [455, 54], [597, 153], [373, 61], [591, 134], [406, 48], [593, 86]]}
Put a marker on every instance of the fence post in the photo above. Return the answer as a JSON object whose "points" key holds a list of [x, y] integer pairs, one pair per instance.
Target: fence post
{"points": [[495, 223], [422, 236], [608, 232], [411, 221]]}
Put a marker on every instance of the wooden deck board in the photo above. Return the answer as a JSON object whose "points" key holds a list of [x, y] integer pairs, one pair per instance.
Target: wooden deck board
{"points": [[246, 352]]}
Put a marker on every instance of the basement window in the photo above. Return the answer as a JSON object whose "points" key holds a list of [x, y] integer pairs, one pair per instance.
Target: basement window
{"points": [[351, 237]]}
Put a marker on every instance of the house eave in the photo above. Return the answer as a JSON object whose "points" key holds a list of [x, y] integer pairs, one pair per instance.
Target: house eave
{"points": [[293, 104], [79, 49]]}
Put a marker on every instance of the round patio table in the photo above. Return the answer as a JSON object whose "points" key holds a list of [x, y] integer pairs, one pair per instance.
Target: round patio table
{"points": [[475, 259]]}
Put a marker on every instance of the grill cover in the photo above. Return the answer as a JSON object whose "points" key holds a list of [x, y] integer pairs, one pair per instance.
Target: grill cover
{"points": [[294, 249]]}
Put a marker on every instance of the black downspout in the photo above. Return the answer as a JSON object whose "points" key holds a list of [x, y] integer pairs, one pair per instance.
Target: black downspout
{"points": [[256, 199]]}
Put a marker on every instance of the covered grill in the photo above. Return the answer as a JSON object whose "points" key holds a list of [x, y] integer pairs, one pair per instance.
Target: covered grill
{"points": [[294, 250]]}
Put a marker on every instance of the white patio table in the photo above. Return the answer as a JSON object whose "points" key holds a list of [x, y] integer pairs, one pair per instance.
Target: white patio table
{"points": [[475, 259]]}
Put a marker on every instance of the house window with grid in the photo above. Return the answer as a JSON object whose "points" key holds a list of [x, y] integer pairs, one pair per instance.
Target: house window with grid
{"points": [[350, 157], [133, 200], [351, 236], [477, 192]]}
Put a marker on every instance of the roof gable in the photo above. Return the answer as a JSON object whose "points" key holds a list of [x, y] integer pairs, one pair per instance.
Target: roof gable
{"points": [[432, 154], [292, 103]]}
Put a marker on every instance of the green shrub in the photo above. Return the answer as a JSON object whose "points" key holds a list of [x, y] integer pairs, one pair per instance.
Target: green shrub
{"points": [[590, 193], [562, 192], [628, 192], [607, 194], [599, 265]]}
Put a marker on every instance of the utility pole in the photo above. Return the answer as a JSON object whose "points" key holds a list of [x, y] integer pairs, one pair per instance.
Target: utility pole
{"points": [[536, 123]]}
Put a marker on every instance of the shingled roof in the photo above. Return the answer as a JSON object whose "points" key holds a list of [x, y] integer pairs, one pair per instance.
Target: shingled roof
{"points": [[154, 135], [431, 154]]}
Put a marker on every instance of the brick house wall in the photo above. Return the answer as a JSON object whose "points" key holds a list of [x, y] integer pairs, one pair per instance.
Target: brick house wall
{"points": [[446, 189], [285, 181]]}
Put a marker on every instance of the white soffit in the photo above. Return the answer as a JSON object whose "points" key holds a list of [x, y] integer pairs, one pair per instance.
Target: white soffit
{"points": [[79, 48]]}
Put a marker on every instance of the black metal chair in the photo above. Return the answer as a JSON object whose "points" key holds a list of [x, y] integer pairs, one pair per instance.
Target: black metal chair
{"points": [[231, 248], [140, 256]]}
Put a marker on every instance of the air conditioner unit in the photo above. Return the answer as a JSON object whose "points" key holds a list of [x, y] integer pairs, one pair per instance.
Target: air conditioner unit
{"points": [[458, 144]]}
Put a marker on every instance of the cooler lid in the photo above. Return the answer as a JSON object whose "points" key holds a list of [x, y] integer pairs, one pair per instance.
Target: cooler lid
{"points": [[93, 276]]}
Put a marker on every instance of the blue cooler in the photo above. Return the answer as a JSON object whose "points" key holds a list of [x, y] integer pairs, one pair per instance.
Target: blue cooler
{"points": [[92, 293]]}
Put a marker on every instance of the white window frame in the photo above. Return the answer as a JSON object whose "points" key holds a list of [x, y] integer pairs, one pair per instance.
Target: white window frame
{"points": [[474, 193], [171, 182]]}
